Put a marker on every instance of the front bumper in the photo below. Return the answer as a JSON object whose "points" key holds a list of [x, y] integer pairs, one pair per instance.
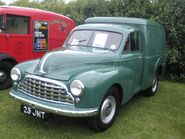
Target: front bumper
{"points": [[59, 109]]}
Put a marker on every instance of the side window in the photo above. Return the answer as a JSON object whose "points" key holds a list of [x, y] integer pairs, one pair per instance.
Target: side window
{"points": [[132, 43], [17, 24]]}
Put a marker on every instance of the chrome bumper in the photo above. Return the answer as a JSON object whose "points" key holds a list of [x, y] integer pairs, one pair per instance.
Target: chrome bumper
{"points": [[70, 111]]}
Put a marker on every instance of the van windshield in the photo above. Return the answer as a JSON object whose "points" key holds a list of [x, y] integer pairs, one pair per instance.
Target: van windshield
{"points": [[94, 39]]}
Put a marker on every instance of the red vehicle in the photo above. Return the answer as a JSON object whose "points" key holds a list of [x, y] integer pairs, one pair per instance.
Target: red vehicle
{"points": [[27, 33]]}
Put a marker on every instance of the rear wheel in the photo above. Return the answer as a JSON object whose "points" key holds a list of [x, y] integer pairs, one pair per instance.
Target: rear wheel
{"points": [[5, 79], [151, 91], [107, 111]]}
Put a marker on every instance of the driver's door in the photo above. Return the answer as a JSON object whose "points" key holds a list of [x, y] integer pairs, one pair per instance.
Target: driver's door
{"points": [[132, 58]]}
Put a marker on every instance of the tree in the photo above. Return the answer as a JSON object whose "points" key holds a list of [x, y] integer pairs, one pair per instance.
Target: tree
{"points": [[26, 3], [56, 6], [2, 3], [172, 15], [138, 8]]}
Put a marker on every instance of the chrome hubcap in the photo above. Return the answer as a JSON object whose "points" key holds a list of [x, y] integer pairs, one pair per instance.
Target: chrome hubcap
{"points": [[3, 76], [108, 109], [154, 84]]}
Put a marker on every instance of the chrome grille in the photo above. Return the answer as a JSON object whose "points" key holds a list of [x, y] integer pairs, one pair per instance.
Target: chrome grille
{"points": [[47, 89]]}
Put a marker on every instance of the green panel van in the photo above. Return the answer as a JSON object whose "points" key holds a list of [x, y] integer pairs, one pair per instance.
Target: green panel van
{"points": [[101, 66]]}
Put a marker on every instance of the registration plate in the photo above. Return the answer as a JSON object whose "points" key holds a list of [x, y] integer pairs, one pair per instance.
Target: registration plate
{"points": [[34, 112]]}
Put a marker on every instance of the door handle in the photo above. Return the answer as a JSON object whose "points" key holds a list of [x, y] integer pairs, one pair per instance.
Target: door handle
{"points": [[140, 57]]}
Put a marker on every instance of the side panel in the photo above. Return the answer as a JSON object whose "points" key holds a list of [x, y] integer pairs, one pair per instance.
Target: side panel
{"points": [[18, 46], [59, 29], [134, 63], [57, 32], [18, 37], [154, 53]]}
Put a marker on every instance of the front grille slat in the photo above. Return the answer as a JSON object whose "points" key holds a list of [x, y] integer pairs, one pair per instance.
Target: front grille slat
{"points": [[45, 89], [30, 86]]}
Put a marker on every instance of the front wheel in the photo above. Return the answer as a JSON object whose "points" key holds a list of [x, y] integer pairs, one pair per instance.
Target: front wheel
{"points": [[5, 79], [151, 91], [107, 111]]}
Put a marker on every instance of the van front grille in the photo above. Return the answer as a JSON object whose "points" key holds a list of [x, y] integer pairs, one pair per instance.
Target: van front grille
{"points": [[46, 89]]}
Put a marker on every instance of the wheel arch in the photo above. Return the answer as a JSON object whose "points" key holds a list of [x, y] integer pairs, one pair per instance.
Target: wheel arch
{"points": [[7, 58], [159, 67], [120, 91]]}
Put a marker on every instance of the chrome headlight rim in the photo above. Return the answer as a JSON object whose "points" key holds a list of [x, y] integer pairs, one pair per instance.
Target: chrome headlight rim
{"points": [[77, 88], [16, 74]]}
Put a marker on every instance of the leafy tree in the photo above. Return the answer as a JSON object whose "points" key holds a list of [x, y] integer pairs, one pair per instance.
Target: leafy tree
{"points": [[26, 3], [172, 15], [53, 5], [138, 8]]}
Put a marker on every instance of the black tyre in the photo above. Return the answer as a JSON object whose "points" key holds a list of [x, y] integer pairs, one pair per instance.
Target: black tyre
{"points": [[5, 79], [151, 91], [107, 111]]}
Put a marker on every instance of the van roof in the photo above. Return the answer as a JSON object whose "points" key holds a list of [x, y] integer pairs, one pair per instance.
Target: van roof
{"points": [[121, 20]]}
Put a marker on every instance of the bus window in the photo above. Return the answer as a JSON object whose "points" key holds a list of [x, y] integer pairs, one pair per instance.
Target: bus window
{"points": [[1, 24], [17, 24]]}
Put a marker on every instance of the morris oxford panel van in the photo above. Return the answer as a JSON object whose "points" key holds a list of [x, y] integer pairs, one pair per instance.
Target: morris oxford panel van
{"points": [[101, 66]]}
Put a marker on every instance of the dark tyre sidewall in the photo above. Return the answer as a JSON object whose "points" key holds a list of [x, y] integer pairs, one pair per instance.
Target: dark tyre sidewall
{"points": [[151, 91], [6, 68]]}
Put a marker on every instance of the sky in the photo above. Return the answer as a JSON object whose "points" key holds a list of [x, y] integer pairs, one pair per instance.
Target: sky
{"points": [[10, 1]]}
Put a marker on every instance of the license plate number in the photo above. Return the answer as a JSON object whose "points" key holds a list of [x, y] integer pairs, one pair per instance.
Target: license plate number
{"points": [[34, 112]]}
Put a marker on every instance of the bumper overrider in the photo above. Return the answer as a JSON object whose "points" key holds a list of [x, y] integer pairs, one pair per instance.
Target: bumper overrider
{"points": [[50, 107]]}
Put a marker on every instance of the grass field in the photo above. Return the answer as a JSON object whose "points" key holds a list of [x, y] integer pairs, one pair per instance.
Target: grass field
{"points": [[158, 117]]}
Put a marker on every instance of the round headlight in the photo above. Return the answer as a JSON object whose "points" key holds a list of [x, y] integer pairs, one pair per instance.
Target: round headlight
{"points": [[77, 88], [15, 74]]}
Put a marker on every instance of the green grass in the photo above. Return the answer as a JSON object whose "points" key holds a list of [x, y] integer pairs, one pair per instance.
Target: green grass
{"points": [[158, 117]]}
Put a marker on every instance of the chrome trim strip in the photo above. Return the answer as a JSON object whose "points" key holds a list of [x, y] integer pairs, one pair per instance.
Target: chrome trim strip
{"points": [[70, 113], [43, 62]]}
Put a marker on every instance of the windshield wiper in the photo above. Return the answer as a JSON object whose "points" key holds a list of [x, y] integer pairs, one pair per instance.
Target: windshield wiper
{"points": [[79, 41], [82, 40], [102, 48]]}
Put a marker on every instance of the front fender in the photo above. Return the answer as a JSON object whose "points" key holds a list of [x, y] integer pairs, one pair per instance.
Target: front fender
{"points": [[28, 66], [98, 82]]}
